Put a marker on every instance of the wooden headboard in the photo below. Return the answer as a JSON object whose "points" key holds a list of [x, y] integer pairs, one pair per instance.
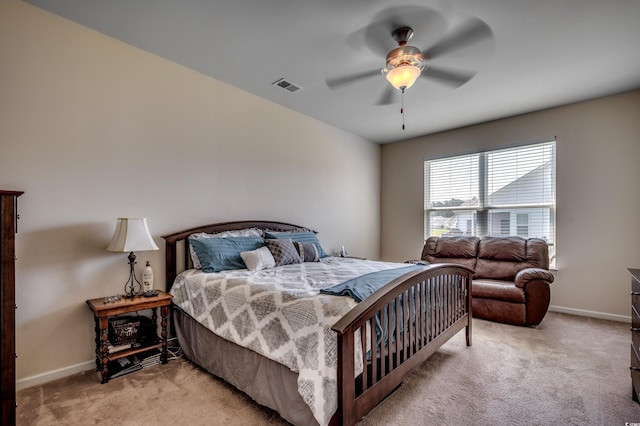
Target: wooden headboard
{"points": [[177, 254]]}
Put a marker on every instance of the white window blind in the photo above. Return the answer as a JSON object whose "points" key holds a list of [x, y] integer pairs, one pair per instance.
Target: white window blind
{"points": [[502, 192]]}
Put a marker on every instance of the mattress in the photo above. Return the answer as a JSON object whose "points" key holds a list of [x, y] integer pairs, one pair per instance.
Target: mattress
{"points": [[280, 314]]}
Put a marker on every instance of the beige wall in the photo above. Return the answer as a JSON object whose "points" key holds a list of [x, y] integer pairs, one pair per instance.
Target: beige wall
{"points": [[598, 201], [93, 129]]}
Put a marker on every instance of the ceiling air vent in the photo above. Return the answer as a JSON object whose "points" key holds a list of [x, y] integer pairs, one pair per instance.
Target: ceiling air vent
{"points": [[287, 85]]}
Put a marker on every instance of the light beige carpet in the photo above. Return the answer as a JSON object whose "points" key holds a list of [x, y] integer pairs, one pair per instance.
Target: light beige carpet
{"points": [[568, 371]]}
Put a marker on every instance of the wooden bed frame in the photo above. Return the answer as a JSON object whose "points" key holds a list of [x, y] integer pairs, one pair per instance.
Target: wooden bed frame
{"points": [[440, 307]]}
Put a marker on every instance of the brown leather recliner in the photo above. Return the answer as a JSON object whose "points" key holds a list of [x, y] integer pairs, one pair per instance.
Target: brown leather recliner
{"points": [[511, 280]]}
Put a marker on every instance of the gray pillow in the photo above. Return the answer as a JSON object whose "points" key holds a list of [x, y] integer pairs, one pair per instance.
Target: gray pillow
{"points": [[308, 252], [283, 251], [302, 237]]}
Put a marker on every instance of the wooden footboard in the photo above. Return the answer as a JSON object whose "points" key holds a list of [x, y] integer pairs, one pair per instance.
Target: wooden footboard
{"points": [[427, 308]]}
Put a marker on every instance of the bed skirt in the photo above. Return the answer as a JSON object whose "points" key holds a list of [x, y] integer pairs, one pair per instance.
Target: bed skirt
{"points": [[265, 381]]}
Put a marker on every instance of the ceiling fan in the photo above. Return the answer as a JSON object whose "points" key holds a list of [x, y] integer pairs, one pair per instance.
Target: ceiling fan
{"points": [[406, 63]]}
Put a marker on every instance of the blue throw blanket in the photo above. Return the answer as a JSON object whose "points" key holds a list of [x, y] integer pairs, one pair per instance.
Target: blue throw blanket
{"points": [[361, 287]]}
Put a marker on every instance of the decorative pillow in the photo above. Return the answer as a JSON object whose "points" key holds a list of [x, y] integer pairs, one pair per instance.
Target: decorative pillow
{"points": [[247, 232], [258, 259], [301, 237], [283, 251], [308, 252], [221, 254]]}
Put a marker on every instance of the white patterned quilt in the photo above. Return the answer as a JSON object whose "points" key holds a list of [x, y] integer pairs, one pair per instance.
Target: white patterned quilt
{"points": [[280, 314]]}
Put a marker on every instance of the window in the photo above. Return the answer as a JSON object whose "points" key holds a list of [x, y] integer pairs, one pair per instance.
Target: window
{"points": [[502, 192], [523, 225]]}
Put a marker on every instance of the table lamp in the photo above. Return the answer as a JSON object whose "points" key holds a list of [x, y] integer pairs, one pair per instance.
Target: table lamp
{"points": [[131, 234]]}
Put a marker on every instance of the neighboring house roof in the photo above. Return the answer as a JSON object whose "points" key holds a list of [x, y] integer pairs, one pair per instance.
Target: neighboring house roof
{"points": [[526, 189]]}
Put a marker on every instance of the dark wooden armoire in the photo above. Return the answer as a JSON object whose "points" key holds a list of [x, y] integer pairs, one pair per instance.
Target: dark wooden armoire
{"points": [[8, 228]]}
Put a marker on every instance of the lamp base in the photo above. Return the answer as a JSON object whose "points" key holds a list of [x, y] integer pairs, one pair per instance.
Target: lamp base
{"points": [[132, 287]]}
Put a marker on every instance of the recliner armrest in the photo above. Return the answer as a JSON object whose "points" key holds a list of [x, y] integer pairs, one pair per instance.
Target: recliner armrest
{"points": [[530, 274]]}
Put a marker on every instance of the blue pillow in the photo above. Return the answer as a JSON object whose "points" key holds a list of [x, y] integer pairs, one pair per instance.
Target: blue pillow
{"points": [[301, 237], [223, 254]]}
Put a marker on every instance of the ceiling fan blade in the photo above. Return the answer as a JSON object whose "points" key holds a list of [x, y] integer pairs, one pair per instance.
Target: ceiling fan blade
{"points": [[387, 96], [451, 77], [338, 82], [471, 31]]}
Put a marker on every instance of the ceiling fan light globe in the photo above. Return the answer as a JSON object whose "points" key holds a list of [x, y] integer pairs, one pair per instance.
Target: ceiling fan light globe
{"points": [[403, 77]]}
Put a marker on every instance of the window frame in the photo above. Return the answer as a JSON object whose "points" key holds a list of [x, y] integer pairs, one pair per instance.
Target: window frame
{"points": [[481, 213]]}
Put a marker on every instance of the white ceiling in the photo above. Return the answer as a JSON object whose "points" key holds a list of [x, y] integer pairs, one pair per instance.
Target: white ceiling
{"points": [[543, 53]]}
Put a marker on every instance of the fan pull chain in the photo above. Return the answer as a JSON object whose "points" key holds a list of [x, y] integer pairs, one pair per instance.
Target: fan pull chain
{"points": [[402, 106]]}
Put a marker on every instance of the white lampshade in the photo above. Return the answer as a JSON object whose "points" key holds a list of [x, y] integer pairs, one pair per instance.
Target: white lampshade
{"points": [[131, 234], [403, 77]]}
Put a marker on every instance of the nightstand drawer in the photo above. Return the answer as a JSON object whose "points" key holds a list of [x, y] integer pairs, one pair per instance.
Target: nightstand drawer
{"points": [[635, 349], [635, 285], [635, 370], [635, 316]]}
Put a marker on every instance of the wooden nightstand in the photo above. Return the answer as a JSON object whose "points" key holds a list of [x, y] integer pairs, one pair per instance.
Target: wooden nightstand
{"points": [[104, 310], [635, 333]]}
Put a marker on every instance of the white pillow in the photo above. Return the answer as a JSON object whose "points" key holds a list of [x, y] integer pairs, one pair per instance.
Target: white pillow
{"points": [[258, 259], [247, 232]]}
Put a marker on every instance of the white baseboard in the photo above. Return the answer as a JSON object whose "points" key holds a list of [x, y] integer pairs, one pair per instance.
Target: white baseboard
{"points": [[592, 314], [38, 379], [48, 376]]}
